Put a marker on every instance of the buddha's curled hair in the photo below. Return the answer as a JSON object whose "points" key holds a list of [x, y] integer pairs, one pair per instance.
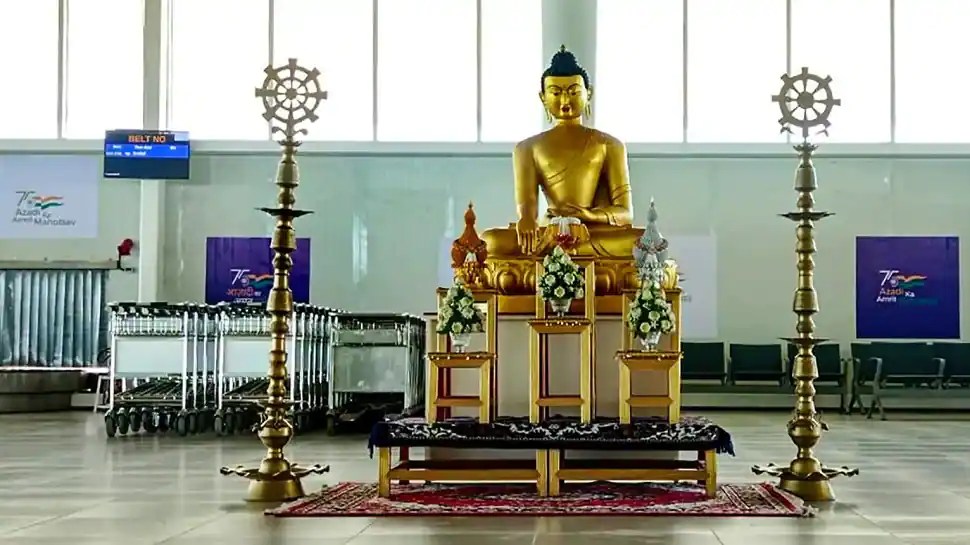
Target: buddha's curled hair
{"points": [[564, 64]]}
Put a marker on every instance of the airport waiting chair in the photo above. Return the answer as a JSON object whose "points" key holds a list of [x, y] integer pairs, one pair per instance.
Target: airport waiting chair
{"points": [[756, 362], [703, 361], [903, 369], [956, 366]]}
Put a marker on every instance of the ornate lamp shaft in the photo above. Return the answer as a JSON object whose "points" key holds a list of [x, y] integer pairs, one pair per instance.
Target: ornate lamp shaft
{"points": [[290, 96], [805, 476]]}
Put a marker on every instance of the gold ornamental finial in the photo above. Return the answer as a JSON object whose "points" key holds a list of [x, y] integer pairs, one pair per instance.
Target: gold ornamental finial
{"points": [[291, 95]]}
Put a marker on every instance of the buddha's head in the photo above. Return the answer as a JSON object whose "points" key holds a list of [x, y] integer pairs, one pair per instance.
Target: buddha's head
{"points": [[565, 91]]}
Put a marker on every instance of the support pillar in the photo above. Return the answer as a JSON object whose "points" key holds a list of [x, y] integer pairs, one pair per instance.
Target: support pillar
{"points": [[571, 23], [151, 204]]}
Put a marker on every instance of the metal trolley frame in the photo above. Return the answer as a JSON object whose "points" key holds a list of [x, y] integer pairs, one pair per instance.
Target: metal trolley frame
{"points": [[242, 382], [167, 351], [377, 364]]}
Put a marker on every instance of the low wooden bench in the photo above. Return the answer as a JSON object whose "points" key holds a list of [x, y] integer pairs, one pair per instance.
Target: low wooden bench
{"points": [[549, 440]]}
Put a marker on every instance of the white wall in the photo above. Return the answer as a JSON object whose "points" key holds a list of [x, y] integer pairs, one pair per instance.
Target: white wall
{"points": [[406, 204], [119, 214]]}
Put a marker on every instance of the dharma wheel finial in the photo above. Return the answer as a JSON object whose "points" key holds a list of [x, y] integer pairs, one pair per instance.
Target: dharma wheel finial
{"points": [[291, 95], [805, 101]]}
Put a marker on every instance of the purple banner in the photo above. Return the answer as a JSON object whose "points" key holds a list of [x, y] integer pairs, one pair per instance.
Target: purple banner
{"points": [[907, 288], [240, 270]]}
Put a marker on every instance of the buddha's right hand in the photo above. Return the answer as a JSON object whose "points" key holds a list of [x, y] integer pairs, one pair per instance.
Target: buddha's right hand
{"points": [[528, 232]]}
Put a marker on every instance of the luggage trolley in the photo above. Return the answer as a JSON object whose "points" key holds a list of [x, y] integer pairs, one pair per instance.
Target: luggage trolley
{"points": [[241, 381], [377, 365], [164, 347], [308, 371], [243, 351]]}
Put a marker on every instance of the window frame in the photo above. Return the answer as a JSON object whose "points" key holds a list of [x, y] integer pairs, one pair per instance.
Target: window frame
{"points": [[893, 149]]}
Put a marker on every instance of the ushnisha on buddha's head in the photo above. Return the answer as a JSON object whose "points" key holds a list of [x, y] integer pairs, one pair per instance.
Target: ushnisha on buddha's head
{"points": [[565, 91]]}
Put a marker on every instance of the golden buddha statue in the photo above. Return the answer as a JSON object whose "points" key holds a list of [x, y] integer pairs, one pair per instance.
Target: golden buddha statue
{"points": [[583, 174]]}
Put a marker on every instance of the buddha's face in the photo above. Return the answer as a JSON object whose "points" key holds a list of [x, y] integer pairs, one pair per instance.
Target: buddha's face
{"points": [[565, 97]]}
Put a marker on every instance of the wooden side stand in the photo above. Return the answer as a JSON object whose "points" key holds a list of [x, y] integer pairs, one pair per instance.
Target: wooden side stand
{"points": [[635, 360], [444, 362], [631, 360], [541, 328], [488, 298]]}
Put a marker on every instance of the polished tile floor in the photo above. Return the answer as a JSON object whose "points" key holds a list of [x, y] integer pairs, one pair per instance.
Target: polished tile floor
{"points": [[62, 481]]}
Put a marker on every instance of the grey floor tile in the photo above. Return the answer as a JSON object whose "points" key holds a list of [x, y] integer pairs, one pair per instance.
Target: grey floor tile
{"points": [[251, 540], [62, 481], [445, 539], [962, 539], [14, 523], [669, 539], [107, 528], [422, 526], [808, 539], [250, 524], [78, 540]]}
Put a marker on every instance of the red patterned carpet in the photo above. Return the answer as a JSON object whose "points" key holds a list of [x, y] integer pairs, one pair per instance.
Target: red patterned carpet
{"points": [[600, 499]]}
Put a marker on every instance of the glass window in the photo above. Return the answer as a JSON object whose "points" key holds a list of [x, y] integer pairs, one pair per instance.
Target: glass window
{"points": [[427, 71], [929, 37], [848, 41], [736, 55], [218, 51], [336, 37], [511, 68], [28, 53], [104, 35], [639, 87]]}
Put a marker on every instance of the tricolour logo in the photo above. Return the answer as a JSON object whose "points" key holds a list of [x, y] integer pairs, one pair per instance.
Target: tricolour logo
{"points": [[901, 288], [37, 208], [247, 286]]}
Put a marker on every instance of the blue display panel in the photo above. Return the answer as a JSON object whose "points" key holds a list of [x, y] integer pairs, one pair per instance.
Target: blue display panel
{"points": [[146, 155]]}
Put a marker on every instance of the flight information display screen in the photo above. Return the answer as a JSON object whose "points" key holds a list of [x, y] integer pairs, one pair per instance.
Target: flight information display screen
{"points": [[146, 155]]}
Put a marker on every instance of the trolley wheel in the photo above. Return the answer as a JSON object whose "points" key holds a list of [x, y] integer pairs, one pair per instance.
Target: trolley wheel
{"points": [[123, 422], [204, 421], [164, 422], [230, 421], [193, 420], [110, 425], [181, 424], [219, 424], [135, 421], [243, 419], [149, 420], [170, 418]]}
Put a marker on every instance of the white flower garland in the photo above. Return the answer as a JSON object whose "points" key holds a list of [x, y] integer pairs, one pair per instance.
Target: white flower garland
{"points": [[458, 313], [650, 312], [561, 278]]}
